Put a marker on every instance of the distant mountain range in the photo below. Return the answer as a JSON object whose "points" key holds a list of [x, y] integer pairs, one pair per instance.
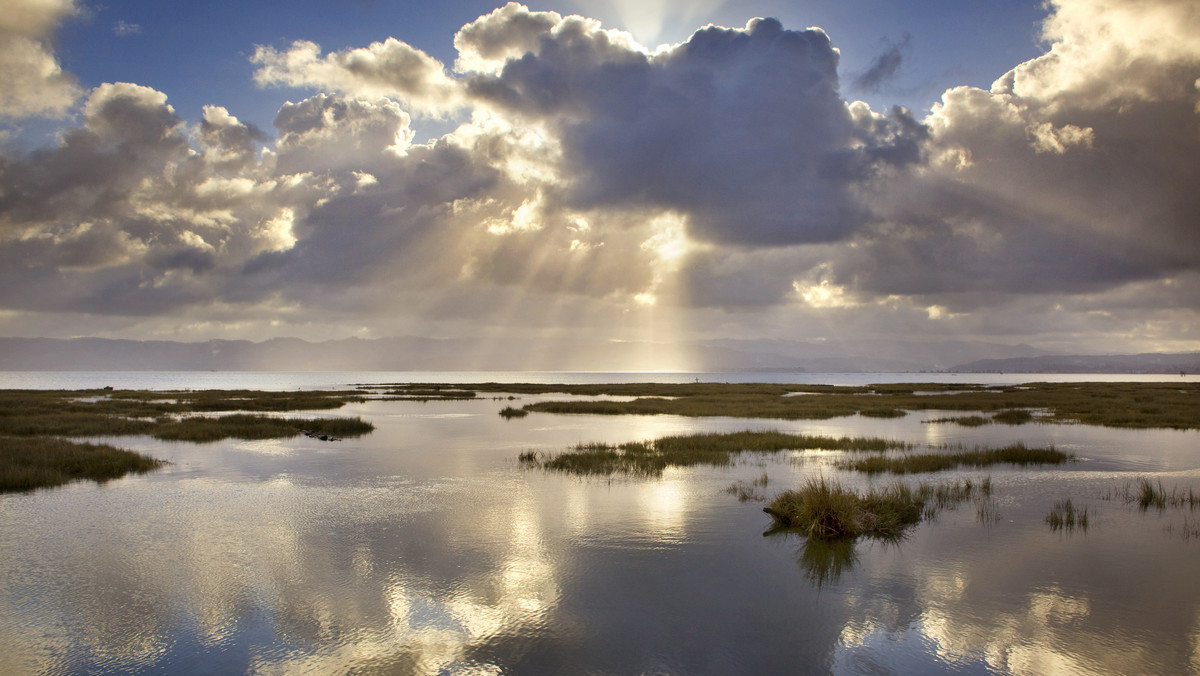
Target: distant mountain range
{"points": [[431, 354], [1158, 362], [428, 354]]}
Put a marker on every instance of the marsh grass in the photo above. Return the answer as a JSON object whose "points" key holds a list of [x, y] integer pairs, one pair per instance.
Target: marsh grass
{"points": [[650, 458], [882, 413], [30, 463], [1149, 494], [1016, 416], [170, 415], [1140, 405], [826, 510], [508, 413], [1067, 517], [914, 463], [987, 510], [202, 429], [33, 423], [965, 421], [747, 491]]}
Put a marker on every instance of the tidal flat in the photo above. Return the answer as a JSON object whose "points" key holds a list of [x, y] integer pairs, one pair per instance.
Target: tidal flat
{"points": [[442, 541]]}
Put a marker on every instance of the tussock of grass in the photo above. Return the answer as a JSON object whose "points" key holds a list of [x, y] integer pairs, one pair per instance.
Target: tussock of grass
{"points": [[508, 412], [27, 464], [826, 510], [650, 458], [1066, 516], [1016, 454]]}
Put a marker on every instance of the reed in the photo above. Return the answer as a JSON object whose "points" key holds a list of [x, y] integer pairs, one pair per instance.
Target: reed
{"points": [[1066, 516], [1153, 494]]}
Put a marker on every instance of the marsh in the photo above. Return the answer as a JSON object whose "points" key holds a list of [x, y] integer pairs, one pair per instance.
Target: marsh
{"points": [[428, 546]]}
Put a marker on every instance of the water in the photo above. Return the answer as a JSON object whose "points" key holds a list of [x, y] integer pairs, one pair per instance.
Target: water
{"points": [[308, 380], [425, 548]]}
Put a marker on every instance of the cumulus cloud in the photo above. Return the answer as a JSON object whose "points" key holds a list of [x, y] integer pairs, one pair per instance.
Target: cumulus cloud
{"points": [[743, 130], [726, 173], [389, 69], [31, 80], [1071, 175]]}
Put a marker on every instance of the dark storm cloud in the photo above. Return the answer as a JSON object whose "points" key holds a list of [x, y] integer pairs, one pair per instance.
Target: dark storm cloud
{"points": [[743, 130]]}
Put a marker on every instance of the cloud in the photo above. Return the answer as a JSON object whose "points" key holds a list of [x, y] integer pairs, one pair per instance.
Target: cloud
{"points": [[124, 29], [31, 80], [591, 179], [390, 68], [884, 67], [743, 130], [1070, 176]]}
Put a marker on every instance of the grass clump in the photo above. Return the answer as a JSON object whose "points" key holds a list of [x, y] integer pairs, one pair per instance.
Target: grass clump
{"points": [[1149, 494], [508, 413], [650, 458], [1066, 516], [30, 463], [1016, 454], [826, 510]]}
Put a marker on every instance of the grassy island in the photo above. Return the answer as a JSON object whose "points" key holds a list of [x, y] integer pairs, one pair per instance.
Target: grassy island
{"points": [[1125, 404], [36, 427], [30, 463]]}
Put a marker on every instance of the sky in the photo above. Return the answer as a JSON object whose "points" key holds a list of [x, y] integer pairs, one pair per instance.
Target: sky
{"points": [[625, 170]]}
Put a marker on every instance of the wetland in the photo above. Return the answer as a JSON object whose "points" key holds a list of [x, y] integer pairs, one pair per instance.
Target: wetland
{"points": [[624, 527]]}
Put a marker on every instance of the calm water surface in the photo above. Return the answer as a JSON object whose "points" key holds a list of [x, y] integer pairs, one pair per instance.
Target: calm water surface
{"points": [[425, 548]]}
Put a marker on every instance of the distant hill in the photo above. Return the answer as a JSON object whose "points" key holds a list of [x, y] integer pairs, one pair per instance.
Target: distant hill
{"points": [[409, 353], [1186, 362]]}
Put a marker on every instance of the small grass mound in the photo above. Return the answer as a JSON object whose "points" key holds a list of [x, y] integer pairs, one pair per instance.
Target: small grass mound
{"points": [[826, 510], [508, 413], [27, 464], [1016, 454]]}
